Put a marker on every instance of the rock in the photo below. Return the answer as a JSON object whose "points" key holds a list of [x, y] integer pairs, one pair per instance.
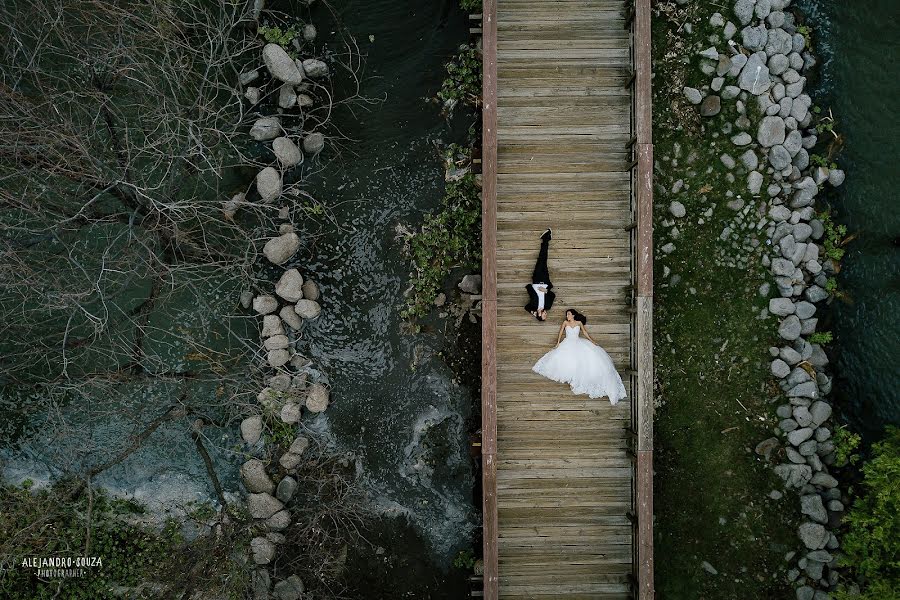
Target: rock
{"points": [[289, 316], [280, 65], [779, 157], [780, 369], [310, 290], [795, 476], [289, 589], [287, 152], [255, 478], [267, 128], [299, 445], [289, 285], [824, 480], [741, 139], [271, 325], [265, 304], [268, 184], [727, 161], [248, 77], [304, 100], [779, 42], [263, 550], [835, 506], [789, 328], [314, 143], [286, 489], [766, 447], [754, 182], [315, 68], [762, 8], [802, 416], [775, 495], [287, 97], [781, 307], [836, 177], [251, 429], [708, 568], [317, 398], [263, 505], [805, 310], [711, 106], [787, 426], [814, 294], [718, 82], [289, 461], [693, 95], [278, 521], [799, 436], [754, 38], [278, 358], [771, 131], [309, 33], [805, 593], [729, 30], [754, 77], [808, 389], [261, 582], [813, 535], [730, 92], [290, 413], [280, 249], [280, 382], [230, 207], [743, 10], [778, 64], [246, 299], [811, 506], [677, 210], [307, 309], [820, 411], [782, 267], [750, 160], [470, 284], [711, 53]]}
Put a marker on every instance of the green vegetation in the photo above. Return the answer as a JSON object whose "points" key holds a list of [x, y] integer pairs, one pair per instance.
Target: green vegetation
{"points": [[872, 544], [845, 444], [835, 238], [821, 337], [277, 35], [470, 4], [464, 560], [69, 521], [715, 396], [449, 238], [463, 82]]}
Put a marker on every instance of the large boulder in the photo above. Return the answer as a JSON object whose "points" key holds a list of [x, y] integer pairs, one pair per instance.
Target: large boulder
{"points": [[307, 309], [268, 184], [280, 65], [263, 505], [290, 285], [280, 249], [255, 478], [287, 152], [266, 128]]}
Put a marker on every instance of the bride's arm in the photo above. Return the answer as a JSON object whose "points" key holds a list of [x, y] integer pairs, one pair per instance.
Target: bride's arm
{"points": [[559, 336], [586, 334]]}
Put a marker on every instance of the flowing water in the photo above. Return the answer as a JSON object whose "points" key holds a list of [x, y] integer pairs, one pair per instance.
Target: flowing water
{"points": [[859, 80]]}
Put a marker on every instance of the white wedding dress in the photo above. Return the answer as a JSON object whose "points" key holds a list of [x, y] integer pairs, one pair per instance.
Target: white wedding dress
{"points": [[586, 367]]}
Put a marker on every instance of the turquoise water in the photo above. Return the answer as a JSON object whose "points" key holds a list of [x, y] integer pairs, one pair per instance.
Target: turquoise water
{"points": [[860, 80]]}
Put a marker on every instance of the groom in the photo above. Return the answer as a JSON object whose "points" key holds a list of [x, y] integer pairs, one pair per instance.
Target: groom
{"points": [[540, 298]]}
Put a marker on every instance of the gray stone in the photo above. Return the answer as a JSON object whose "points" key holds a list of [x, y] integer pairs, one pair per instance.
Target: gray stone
{"points": [[754, 38], [741, 139], [805, 593], [754, 182], [289, 589], [251, 429], [799, 436], [309, 33], [820, 411], [750, 160], [255, 478], [290, 316], [794, 476], [268, 184], [710, 53], [808, 448], [743, 10], [784, 268], [248, 77], [718, 82], [708, 568], [310, 290], [802, 416], [729, 30], [824, 480], [315, 68], [290, 413], [693, 95], [779, 42], [287, 97], [261, 582], [286, 489], [778, 64], [470, 284], [287, 152], [805, 310], [280, 249], [727, 161], [814, 294], [794, 456], [766, 447], [807, 389], [263, 505], [754, 77], [307, 309], [779, 157], [787, 426], [289, 285], [781, 307], [771, 131], [263, 550], [780, 213], [812, 506], [835, 506], [278, 521], [793, 142], [280, 65], [265, 304], [836, 177], [267, 128], [278, 358], [813, 535], [730, 92], [314, 143]]}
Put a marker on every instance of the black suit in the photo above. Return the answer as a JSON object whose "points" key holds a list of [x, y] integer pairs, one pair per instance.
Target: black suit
{"points": [[541, 274]]}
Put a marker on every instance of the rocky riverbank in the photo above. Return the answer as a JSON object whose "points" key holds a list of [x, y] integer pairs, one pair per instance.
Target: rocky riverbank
{"points": [[746, 78]]}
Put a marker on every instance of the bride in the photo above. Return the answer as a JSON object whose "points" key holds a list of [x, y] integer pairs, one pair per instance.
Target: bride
{"points": [[580, 362]]}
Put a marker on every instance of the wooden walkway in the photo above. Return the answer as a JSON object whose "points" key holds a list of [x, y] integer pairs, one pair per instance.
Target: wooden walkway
{"points": [[567, 479]]}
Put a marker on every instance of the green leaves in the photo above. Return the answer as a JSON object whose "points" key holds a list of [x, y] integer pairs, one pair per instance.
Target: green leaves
{"points": [[872, 544], [463, 83]]}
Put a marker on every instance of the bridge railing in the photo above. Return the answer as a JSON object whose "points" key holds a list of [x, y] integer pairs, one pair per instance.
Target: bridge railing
{"points": [[637, 20]]}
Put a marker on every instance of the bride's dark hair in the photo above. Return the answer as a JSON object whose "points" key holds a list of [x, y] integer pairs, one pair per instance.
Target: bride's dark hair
{"points": [[577, 315]]}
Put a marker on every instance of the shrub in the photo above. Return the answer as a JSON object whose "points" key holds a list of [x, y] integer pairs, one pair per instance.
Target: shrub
{"points": [[872, 543], [845, 444], [835, 237], [821, 337], [463, 82], [470, 4]]}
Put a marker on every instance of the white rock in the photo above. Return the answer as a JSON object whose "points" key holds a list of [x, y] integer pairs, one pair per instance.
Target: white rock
{"points": [[251, 429], [307, 309], [267, 128], [280, 249], [265, 304], [268, 184], [317, 398], [290, 285], [287, 152], [280, 65], [289, 316]]}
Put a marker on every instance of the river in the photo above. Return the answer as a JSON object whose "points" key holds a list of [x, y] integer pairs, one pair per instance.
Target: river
{"points": [[858, 79]]}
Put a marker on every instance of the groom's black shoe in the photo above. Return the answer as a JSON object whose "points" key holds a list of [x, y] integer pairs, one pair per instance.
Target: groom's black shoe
{"points": [[547, 235]]}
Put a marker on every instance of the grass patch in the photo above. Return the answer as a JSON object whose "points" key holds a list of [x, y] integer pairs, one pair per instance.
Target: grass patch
{"points": [[716, 398]]}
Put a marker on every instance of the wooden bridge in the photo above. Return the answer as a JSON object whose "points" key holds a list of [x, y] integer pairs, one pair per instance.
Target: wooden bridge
{"points": [[567, 144]]}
